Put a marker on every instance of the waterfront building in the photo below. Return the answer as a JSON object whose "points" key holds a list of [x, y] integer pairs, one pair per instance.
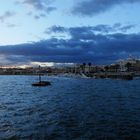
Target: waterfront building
{"points": [[129, 64]]}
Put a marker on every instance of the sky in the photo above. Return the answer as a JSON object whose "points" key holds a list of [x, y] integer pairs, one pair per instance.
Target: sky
{"points": [[68, 31]]}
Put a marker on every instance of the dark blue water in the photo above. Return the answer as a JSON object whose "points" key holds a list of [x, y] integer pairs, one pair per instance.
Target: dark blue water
{"points": [[70, 109]]}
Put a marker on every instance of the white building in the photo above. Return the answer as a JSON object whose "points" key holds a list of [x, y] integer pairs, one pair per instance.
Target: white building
{"points": [[123, 63]]}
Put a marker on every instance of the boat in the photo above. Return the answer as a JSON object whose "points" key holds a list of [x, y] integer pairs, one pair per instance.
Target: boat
{"points": [[41, 83]]}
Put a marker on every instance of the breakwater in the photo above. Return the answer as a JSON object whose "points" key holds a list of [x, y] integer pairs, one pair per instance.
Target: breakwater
{"points": [[125, 76]]}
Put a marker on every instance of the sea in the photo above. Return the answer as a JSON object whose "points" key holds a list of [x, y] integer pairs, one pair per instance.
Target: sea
{"points": [[70, 109]]}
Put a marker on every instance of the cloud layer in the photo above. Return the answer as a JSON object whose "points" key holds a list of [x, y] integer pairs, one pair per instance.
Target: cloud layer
{"points": [[40, 7], [101, 28], [93, 7], [84, 45]]}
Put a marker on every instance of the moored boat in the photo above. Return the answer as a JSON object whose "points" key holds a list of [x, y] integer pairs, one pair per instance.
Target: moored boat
{"points": [[41, 83]]}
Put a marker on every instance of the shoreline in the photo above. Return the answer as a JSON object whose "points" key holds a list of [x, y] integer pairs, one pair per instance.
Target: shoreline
{"points": [[110, 75]]}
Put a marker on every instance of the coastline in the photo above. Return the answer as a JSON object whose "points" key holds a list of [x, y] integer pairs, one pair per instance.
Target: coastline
{"points": [[101, 75]]}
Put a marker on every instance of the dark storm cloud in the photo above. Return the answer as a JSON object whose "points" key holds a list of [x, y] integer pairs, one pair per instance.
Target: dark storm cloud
{"points": [[81, 47], [16, 60], [93, 7]]}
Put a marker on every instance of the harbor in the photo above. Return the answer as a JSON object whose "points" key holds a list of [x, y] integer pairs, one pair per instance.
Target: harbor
{"points": [[122, 69]]}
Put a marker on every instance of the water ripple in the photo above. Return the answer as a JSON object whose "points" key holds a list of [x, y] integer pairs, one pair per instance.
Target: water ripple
{"points": [[70, 109]]}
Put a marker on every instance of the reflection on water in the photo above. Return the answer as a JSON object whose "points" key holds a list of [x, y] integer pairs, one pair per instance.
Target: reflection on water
{"points": [[70, 109]]}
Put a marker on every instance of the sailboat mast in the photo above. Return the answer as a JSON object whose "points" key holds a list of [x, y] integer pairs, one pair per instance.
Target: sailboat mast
{"points": [[39, 74], [39, 77]]}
